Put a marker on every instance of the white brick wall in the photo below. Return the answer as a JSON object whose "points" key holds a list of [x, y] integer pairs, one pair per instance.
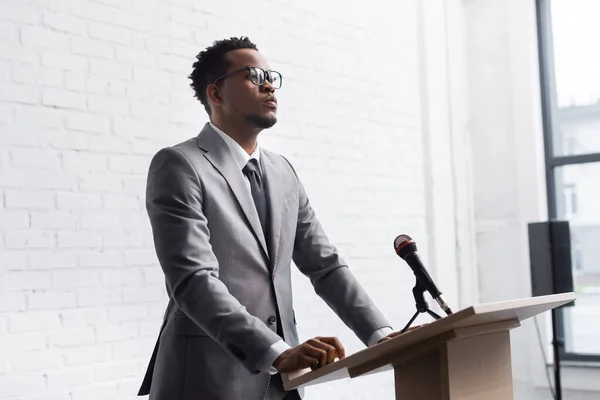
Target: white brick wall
{"points": [[91, 89]]}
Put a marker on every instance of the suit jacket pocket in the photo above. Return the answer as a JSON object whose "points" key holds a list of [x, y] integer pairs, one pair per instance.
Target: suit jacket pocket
{"points": [[184, 326]]}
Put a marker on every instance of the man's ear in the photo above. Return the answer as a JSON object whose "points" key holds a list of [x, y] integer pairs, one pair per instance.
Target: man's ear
{"points": [[213, 95]]}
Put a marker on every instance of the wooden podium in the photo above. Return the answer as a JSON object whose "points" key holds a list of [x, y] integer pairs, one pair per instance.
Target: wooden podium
{"points": [[464, 356]]}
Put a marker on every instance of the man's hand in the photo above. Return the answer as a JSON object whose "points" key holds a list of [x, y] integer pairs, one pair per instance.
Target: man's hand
{"points": [[394, 334], [313, 353]]}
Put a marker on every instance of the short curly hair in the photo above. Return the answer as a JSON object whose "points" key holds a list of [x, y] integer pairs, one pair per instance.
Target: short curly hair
{"points": [[211, 64]]}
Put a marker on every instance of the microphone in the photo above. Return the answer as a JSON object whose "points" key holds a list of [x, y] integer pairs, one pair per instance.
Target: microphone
{"points": [[406, 248]]}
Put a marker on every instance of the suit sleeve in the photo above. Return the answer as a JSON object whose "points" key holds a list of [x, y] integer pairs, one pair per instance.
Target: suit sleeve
{"points": [[329, 274], [181, 239]]}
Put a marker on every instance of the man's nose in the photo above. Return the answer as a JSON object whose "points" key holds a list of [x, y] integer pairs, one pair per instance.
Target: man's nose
{"points": [[267, 87]]}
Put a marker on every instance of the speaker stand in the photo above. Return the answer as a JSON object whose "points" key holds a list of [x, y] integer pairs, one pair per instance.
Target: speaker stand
{"points": [[557, 343]]}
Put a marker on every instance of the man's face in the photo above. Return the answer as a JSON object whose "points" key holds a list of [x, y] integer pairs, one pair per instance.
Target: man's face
{"points": [[242, 98]]}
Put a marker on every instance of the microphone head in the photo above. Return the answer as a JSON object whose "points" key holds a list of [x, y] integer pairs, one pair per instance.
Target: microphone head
{"points": [[403, 244]]}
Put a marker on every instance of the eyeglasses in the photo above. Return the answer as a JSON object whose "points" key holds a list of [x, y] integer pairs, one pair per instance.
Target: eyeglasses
{"points": [[257, 76]]}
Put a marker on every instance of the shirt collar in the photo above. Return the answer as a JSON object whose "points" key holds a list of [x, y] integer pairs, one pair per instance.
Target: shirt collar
{"points": [[239, 154]]}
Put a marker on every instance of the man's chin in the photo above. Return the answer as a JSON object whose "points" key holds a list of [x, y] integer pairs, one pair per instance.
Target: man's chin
{"points": [[262, 122]]}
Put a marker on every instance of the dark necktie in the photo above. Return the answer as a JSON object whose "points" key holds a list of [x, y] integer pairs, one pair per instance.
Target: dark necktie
{"points": [[258, 193]]}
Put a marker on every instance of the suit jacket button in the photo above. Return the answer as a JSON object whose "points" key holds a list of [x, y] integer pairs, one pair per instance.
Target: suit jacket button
{"points": [[272, 319]]}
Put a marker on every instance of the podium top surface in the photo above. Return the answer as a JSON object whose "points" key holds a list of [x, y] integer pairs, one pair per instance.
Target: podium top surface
{"points": [[476, 315]]}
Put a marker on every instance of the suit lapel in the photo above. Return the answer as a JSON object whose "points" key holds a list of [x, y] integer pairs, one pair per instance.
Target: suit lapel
{"points": [[275, 184], [218, 154]]}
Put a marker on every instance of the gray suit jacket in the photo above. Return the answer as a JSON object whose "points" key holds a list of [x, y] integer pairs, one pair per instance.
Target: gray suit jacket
{"points": [[225, 287]]}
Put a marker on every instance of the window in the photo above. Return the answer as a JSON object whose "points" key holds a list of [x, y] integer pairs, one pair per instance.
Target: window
{"points": [[576, 250], [570, 201], [569, 143], [570, 82]]}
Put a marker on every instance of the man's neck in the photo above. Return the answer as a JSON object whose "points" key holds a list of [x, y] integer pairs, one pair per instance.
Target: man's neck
{"points": [[244, 136]]}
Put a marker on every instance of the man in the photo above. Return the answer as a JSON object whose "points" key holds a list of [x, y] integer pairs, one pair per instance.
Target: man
{"points": [[228, 218]]}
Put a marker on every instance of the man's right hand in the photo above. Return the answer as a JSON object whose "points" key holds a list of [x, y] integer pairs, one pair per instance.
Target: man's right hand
{"points": [[313, 353]]}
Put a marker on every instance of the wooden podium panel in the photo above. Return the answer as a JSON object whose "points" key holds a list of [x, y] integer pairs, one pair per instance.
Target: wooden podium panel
{"points": [[473, 368], [463, 356]]}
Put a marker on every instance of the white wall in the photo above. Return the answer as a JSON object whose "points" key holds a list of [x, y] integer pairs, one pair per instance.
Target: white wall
{"points": [[89, 90], [507, 149]]}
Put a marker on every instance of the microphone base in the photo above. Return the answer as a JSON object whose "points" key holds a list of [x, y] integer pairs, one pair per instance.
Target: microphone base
{"points": [[421, 304], [407, 326]]}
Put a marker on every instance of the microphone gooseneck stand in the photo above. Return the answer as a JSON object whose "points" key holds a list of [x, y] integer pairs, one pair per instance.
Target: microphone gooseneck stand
{"points": [[421, 304]]}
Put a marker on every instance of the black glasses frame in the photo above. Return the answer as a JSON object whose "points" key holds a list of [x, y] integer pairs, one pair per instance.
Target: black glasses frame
{"points": [[266, 74]]}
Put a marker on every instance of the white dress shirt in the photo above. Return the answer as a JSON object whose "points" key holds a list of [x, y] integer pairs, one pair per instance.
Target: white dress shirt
{"points": [[242, 158]]}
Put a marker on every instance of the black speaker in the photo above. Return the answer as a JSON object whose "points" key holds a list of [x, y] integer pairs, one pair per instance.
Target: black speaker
{"points": [[550, 258]]}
